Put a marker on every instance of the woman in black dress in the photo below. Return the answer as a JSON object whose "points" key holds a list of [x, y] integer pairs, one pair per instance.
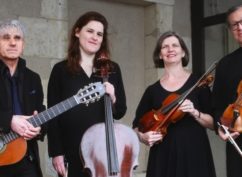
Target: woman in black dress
{"points": [[185, 150], [88, 41]]}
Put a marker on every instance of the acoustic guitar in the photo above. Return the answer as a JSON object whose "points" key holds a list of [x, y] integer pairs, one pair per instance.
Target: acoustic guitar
{"points": [[13, 147]]}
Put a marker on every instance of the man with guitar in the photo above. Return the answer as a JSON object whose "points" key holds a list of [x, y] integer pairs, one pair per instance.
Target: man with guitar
{"points": [[21, 95], [227, 78]]}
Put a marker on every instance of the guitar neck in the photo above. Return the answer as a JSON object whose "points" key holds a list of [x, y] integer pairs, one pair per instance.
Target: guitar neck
{"points": [[44, 116], [52, 112]]}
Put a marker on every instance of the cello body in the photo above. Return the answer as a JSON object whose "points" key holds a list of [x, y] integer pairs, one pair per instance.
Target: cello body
{"points": [[109, 149], [93, 150]]}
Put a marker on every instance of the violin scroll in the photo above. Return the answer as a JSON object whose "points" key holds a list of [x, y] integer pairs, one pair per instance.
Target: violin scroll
{"points": [[103, 65], [206, 81]]}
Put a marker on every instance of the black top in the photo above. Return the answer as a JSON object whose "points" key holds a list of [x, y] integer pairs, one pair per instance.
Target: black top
{"points": [[185, 150], [30, 94], [227, 78], [65, 132]]}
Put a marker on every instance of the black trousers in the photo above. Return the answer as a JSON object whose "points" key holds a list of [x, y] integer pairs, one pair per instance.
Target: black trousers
{"points": [[234, 160], [25, 168]]}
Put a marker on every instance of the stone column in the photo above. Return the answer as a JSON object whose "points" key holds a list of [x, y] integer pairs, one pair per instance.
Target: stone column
{"points": [[46, 44], [158, 19]]}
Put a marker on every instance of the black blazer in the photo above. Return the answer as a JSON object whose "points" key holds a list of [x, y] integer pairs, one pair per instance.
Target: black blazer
{"points": [[31, 99]]}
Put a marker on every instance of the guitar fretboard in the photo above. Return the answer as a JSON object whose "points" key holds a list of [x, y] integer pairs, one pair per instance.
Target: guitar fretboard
{"points": [[44, 116]]}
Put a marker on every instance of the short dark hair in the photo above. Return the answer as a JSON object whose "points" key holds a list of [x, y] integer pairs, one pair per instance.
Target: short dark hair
{"points": [[230, 11], [156, 54]]}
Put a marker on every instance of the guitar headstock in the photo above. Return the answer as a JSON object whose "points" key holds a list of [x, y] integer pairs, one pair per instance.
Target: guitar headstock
{"points": [[90, 93]]}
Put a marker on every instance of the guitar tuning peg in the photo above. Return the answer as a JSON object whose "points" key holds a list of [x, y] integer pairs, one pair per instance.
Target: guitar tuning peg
{"points": [[93, 100]]}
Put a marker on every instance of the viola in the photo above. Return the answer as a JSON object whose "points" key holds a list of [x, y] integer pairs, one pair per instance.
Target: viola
{"points": [[232, 116], [159, 120], [113, 158]]}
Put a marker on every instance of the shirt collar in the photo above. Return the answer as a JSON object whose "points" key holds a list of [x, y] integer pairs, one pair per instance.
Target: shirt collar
{"points": [[4, 69]]}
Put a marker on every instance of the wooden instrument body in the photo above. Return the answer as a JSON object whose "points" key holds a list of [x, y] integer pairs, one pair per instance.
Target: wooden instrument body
{"points": [[232, 116], [157, 120], [13, 152], [93, 150], [13, 147], [109, 149]]}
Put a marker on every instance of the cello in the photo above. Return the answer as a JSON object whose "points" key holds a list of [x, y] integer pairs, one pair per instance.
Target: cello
{"points": [[119, 155]]}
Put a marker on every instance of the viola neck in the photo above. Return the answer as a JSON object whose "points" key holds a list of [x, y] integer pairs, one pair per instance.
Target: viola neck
{"points": [[181, 99], [173, 104]]}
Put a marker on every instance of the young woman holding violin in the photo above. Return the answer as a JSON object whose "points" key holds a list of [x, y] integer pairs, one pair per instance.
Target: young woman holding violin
{"points": [[226, 93], [88, 40], [184, 149]]}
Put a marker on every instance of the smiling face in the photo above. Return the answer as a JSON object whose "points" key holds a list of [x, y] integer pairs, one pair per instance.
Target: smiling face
{"points": [[11, 43], [90, 37], [171, 51]]}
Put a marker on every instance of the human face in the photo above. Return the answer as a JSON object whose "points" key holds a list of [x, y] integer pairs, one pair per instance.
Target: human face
{"points": [[11, 44], [235, 23], [171, 51], [90, 37]]}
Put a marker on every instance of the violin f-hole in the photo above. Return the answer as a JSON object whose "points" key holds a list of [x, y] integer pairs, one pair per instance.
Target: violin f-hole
{"points": [[236, 114]]}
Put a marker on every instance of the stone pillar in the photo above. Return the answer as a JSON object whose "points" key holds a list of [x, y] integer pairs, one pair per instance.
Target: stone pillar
{"points": [[158, 19], [46, 44]]}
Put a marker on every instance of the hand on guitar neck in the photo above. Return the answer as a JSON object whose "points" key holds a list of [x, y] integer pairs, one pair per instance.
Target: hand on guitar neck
{"points": [[20, 125], [13, 145]]}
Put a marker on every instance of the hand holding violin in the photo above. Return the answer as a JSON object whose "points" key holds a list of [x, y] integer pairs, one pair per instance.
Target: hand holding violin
{"points": [[149, 138], [202, 118], [225, 136], [187, 106]]}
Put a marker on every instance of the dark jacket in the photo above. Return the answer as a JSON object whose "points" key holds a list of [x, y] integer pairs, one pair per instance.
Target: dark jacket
{"points": [[66, 131], [31, 98]]}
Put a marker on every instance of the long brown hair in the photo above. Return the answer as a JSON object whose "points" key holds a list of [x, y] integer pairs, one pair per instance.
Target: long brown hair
{"points": [[74, 55]]}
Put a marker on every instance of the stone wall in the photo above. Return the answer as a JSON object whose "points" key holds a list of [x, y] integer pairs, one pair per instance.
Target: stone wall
{"points": [[133, 31]]}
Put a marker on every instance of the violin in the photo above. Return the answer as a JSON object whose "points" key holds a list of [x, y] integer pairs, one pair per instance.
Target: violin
{"points": [[159, 120], [232, 116]]}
